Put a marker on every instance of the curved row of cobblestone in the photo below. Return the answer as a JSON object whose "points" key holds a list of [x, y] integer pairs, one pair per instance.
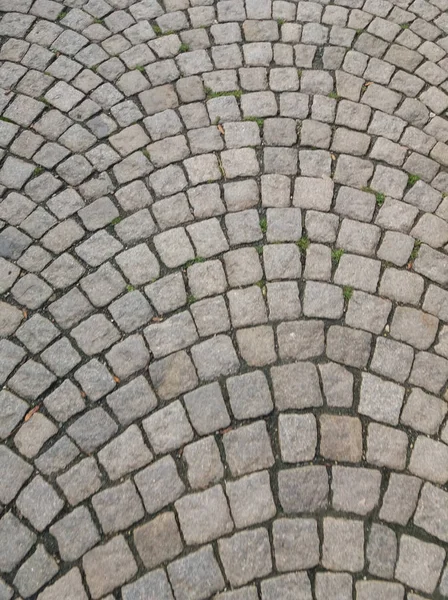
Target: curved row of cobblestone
{"points": [[224, 311]]}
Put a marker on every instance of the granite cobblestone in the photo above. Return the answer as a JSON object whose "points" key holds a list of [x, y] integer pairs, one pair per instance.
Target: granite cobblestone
{"points": [[223, 323]]}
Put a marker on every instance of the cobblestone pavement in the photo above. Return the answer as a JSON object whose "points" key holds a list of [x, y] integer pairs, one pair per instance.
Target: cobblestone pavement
{"points": [[224, 311]]}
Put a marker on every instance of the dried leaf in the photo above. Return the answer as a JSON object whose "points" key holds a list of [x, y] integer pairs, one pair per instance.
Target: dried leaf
{"points": [[226, 430], [333, 156], [30, 413], [368, 83], [157, 319], [221, 129], [116, 379], [25, 313]]}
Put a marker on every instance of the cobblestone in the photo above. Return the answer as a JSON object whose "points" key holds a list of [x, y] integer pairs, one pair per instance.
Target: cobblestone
{"points": [[387, 446], [333, 583], [296, 386], [428, 458], [163, 437], [207, 509], [203, 467], [341, 438], [355, 490], [33, 434], [80, 523], [419, 563], [242, 566], [206, 409], [208, 211], [39, 503], [38, 569], [16, 541], [81, 481], [337, 385], [124, 454], [380, 400], [117, 508], [159, 484], [343, 546], [297, 437], [303, 489], [248, 449], [348, 346], [249, 395], [158, 540], [196, 574], [108, 566]]}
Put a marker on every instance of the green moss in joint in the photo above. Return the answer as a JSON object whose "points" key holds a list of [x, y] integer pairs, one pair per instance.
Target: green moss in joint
{"points": [[303, 243], [193, 261], [347, 292], [415, 249], [412, 179], [258, 120], [211, 94], [336, 255], [37, 171]]}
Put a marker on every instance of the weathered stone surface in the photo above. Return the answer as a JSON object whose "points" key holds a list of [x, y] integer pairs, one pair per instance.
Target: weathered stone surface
{"points": [[381, 400], [429, 460], [81, 481], [158, 540], [126, 453], [159, 484], [223, 296], [35, 572], [387, 446], [196, 576], [381, 552], [15, 472], [69, 585], [39, 503], [117, 508], [248, 448], [152, 586], [296, 544], [303, 489], [343, 546], [341, 438], [431, 511], [108, 566], [204, 516], [296, 386], [16, 541], [246, 556], [297, 437], [419, 563]]}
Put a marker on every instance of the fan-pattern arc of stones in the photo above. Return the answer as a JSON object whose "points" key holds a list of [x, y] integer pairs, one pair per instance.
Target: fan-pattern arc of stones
{"points": [[224, 338]]}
